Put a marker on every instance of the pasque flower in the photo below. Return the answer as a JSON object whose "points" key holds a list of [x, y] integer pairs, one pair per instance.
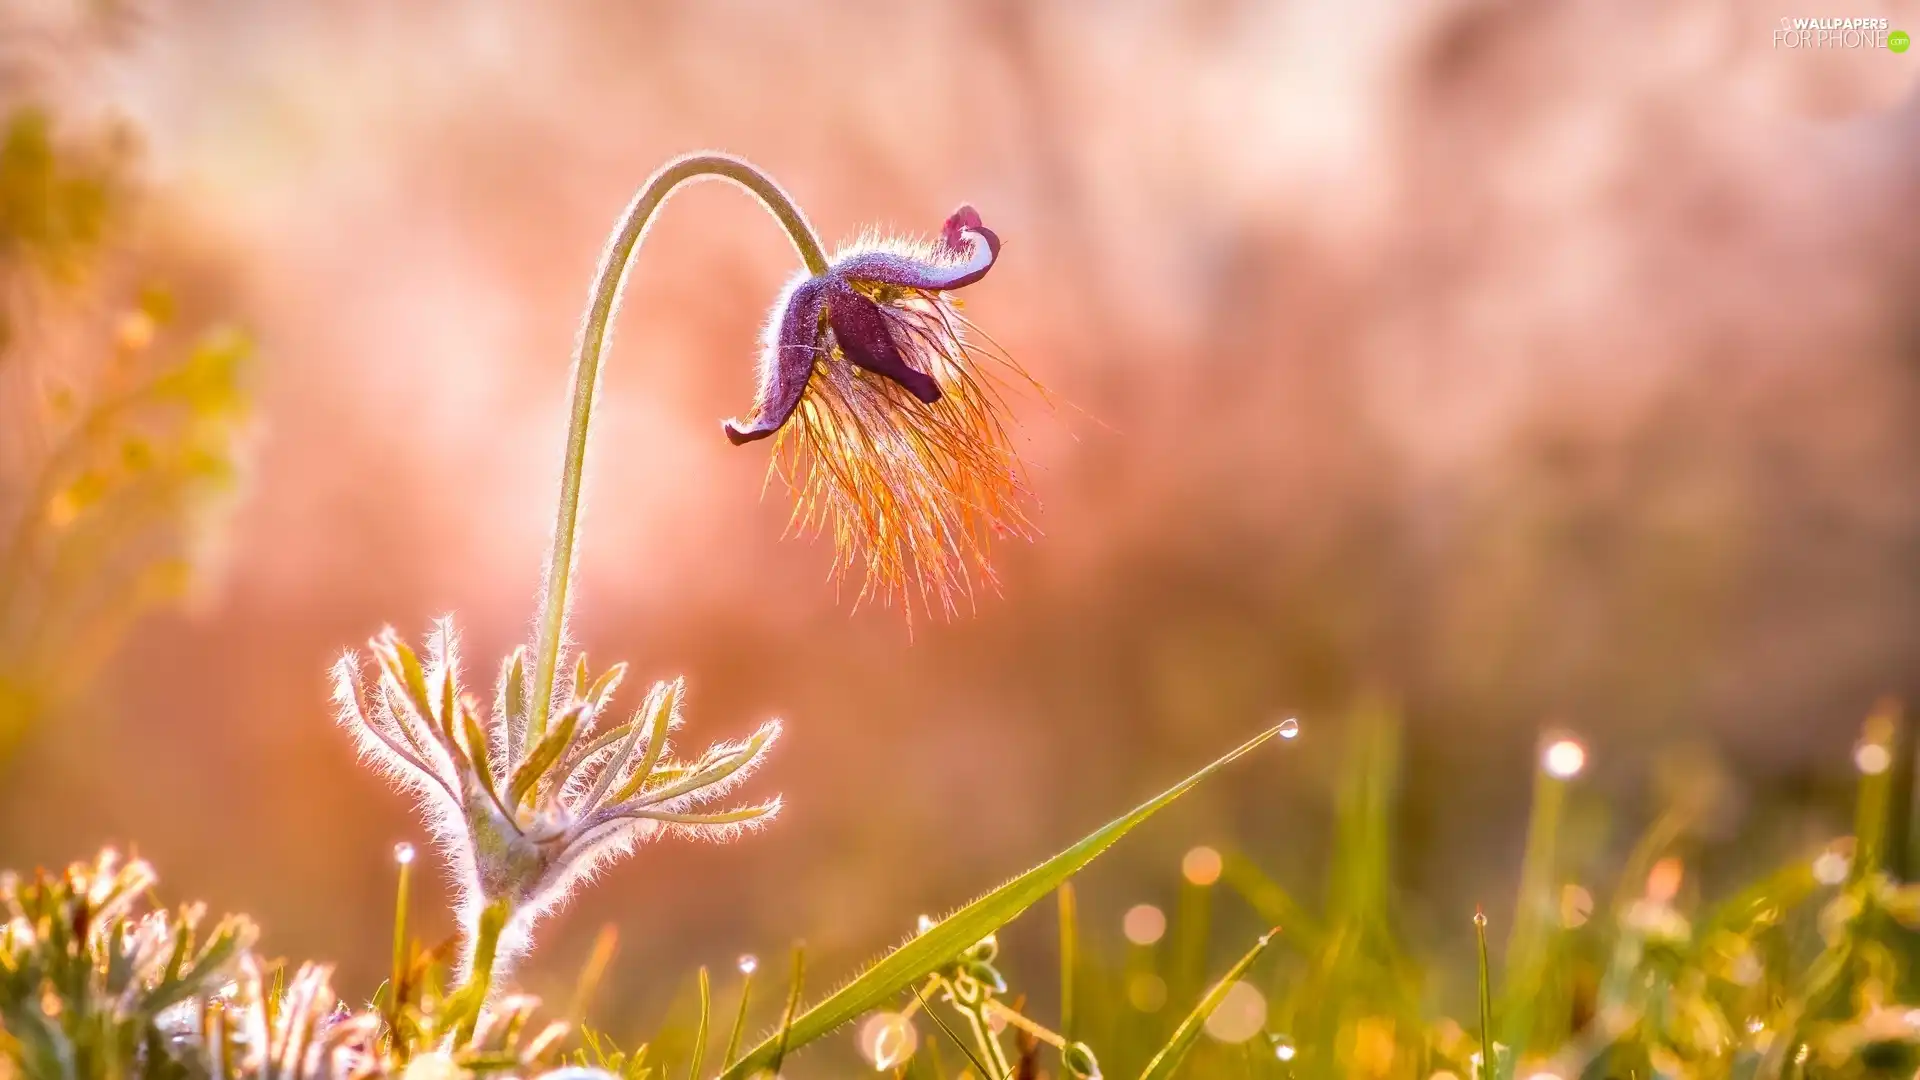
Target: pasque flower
{"points": [[523, 814], [888, 425], [888, 417]]}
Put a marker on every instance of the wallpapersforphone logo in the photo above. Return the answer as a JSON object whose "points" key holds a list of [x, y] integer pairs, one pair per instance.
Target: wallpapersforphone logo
{"points": [[1795, 33]]}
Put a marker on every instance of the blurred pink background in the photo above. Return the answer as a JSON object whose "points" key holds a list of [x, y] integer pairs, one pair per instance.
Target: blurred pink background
{"points": [[1528, 363]]}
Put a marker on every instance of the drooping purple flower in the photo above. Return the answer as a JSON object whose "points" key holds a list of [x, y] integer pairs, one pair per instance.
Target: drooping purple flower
{"points": [[888, 420]]}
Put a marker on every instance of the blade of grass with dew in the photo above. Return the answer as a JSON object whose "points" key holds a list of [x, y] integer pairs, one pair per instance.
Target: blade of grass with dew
{"points": [[1486, 997], [940, 943], [397, 985], [1875, 794], [1175, 1051], [739, 1018], [1525, 987]]}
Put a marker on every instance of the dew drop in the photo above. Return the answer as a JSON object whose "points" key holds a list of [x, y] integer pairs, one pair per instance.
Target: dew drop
{"points": [[1282, 1047], [403, 853], [1289, 728], [747, 963]]}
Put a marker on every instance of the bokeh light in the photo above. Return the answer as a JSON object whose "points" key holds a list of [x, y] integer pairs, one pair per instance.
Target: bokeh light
{"points": [[1146, 992], [1144, 924], [1240, 1015], [1830, 867], [1664, 878], [1201, 866], [1872, 758], [1526, 484], [1564, 758]]}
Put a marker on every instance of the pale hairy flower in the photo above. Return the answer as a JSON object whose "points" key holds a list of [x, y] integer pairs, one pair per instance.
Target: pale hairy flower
{"points": [[889, 418], [522, 816], [304, 1032]]}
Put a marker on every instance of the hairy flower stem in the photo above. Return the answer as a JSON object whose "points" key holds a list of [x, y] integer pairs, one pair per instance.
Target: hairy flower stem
{"points": [[589, 352]]}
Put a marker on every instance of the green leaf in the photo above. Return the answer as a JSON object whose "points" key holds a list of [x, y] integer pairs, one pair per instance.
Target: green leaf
{"points": [[526, 778], [465, 1004], [513, 688], [402, 666], [708, 776], [1175, 1051], [605, 687], [957, 932], [725, 817], [658, 710]]}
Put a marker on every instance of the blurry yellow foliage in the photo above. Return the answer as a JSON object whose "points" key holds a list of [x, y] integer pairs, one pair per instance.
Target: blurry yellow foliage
{"points": [[118, 427]]}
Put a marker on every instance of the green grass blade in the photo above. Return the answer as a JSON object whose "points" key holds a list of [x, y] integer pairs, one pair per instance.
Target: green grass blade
{"points": [[1486, 998], [739, 1017], [700, 1032], [782, 1043], [397, 985], [1175, 1051], [1192, 933], [949, 937], [1529, 990], [1069, 956], [1875, 797]]}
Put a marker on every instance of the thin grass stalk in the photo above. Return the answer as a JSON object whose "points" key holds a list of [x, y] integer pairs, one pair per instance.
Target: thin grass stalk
{"points": [[1069, 957]]}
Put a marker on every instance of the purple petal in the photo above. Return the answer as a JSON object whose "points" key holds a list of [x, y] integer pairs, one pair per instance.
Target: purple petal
{"points": [[786, 362], [861, 329], [970, 247]]}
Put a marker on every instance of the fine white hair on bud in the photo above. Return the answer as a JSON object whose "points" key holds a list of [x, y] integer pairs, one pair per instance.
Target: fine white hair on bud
{"points": [[524, 816]]}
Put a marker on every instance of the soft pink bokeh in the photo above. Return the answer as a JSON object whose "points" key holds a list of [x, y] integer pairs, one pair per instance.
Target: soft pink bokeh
{"points": [[1520, 361]]}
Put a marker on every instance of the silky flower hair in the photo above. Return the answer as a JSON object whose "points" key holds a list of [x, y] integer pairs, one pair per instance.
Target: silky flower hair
{"points": [[889, 420]]}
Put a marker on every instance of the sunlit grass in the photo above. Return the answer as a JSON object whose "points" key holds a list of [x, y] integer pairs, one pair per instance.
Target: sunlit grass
{"points": [[1806, 972]]}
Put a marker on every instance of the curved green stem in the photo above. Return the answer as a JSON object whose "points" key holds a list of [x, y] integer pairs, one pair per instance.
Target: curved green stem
{"points": [[589, 353]]}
